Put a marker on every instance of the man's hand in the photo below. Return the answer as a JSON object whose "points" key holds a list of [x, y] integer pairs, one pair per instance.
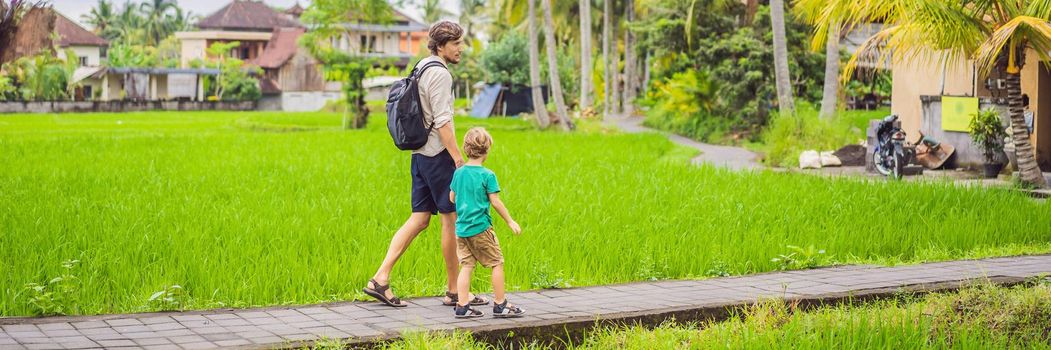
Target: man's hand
{"points": [[517, 230], [459, 162]]}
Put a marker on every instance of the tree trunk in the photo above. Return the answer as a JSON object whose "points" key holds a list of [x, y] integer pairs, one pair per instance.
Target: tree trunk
{"points": [[585, 55], [1028, 170], [630, 66], [750, 8], [615, 79], [830, 95], [534, 71], [784, 84], [607, 76], [552, 65]]}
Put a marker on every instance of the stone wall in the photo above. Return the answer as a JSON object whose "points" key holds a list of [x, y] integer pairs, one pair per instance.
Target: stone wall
{"points": [[123, 106]]}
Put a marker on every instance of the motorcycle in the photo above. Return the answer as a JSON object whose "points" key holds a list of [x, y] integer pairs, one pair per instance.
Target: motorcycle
{"points": [[892, 152]]}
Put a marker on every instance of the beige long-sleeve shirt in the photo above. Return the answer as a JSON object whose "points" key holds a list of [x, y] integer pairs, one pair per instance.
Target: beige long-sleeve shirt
{"points": [[436, 99]]}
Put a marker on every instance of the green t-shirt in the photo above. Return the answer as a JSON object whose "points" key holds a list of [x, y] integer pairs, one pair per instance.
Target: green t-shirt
{"points": [[472, 185]]}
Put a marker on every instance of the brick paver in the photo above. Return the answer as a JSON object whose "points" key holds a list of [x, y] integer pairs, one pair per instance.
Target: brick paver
{"points": [[369, 322]]}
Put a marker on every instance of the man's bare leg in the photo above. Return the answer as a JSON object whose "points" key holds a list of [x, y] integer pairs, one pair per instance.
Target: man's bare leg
{"points": [[416, 223], [449, 251]]}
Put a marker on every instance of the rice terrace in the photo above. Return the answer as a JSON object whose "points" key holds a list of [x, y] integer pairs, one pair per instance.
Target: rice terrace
{"points": [[179, 174]]}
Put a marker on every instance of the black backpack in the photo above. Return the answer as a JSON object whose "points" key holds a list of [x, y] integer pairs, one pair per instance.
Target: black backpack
{"points": [[404, 114]]}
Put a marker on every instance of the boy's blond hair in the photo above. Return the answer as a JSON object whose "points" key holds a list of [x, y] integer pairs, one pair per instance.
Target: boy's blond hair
{"points": [[476, 142]]}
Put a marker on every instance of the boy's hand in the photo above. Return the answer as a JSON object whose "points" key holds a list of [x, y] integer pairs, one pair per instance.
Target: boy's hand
{"points": [[517, 230]]}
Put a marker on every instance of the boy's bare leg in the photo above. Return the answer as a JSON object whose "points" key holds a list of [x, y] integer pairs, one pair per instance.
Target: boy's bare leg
{"points": [[463, 284], [449, 251], [416, 223], [498, 284]]}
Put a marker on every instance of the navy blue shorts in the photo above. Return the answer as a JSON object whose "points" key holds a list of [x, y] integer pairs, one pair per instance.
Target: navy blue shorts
{"points": [[431, 177]]}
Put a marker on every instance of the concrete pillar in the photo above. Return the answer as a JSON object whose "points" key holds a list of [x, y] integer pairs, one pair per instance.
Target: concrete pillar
{"points": [[153, 87], [105, 88], [200, 88]]}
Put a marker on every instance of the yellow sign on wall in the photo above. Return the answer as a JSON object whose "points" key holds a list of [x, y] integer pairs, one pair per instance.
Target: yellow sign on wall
{"points": [[957, 112]]}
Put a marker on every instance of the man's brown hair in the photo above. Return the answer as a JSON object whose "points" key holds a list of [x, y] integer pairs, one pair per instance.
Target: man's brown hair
{"points": [[442, 33]]}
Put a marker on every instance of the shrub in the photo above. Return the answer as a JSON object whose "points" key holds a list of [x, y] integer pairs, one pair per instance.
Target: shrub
{"points": [[787, 136]]}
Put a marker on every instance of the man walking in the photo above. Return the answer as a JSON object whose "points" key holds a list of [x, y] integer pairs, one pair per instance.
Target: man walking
{"points": [[432, 167]]}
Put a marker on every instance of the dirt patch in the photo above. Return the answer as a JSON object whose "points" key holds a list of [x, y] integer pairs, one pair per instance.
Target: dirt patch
{"points": [[851, 155]]}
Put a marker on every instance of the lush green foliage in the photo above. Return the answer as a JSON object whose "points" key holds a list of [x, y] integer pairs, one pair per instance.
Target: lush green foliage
{"points": [[982, 317], [732, 65], [788, 136], [506, 61], [43, 77], [241, 209], [987, 132], [326, 19], [164, 55], [146, 24]]}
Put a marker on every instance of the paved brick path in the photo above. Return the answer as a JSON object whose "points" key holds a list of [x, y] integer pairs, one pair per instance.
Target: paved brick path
{"points": [[548, 309]]}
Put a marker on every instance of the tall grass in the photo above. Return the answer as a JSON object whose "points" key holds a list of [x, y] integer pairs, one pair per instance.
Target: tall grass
{"points": [[246, 209], [977, 318], [788, 136]]}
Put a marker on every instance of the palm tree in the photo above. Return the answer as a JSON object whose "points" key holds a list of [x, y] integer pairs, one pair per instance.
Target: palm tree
{"points": [[607, 76], [630, 64], [433, 11], [534, 70], [159, 22], [102, 17], [784, 84], [128, 25], [552, 66], [585, 54], [995, 34], [472, 14], [830, 94]]}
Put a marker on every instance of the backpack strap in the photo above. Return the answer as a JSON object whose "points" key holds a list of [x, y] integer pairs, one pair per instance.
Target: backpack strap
{"points": [[418, 71], [416, 75]]}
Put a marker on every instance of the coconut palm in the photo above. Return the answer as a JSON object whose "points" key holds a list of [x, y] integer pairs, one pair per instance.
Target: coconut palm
{"points": [[552, 65], [995, 34], [830, 93], [102, 17], [433, 11], [781, 75], [585, 54], [158, 20], [607, 71], [472, 15], [630, 60], [534, 70]]}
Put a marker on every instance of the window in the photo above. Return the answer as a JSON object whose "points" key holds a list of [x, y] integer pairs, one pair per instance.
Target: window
{"points": [[88, 93], [102, 52], [83, 61], [369, 43], [244, 53]]}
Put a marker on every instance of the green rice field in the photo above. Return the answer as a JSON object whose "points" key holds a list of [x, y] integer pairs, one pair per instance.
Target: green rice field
{"points": [[106, 213]]}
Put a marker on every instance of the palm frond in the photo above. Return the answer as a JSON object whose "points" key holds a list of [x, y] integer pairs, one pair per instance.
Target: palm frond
{"points": [[1032, 30]]}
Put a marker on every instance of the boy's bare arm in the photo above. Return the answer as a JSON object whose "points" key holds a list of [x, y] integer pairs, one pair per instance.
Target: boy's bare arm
{"points": [[494, 198]]}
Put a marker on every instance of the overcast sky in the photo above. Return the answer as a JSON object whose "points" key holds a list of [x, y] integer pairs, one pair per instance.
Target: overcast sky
{"points": [[74, 8]]}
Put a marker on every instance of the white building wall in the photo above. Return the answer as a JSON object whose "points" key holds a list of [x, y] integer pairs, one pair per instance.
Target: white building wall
{"points": [[91, 52]]}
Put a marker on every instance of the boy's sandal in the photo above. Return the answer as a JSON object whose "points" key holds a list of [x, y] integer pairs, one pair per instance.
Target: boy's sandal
{"points": [[453, 299], [507, 311], [468, 312], [380, 293]]}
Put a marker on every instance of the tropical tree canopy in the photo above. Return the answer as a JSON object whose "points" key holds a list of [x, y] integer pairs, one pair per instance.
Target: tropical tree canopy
{"points": [[981, 30]]}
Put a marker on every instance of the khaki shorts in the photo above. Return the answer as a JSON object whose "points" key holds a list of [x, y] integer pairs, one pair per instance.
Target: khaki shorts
{"points": [[482, 248]]}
